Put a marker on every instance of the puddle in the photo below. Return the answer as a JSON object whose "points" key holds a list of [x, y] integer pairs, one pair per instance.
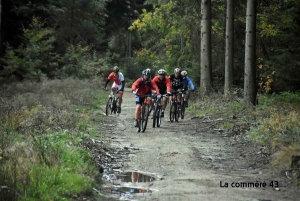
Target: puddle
{"points": [[127, 185], [135, 177]]}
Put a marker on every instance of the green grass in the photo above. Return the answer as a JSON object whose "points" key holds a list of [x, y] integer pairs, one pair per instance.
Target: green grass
{"points": [[40, 134]]}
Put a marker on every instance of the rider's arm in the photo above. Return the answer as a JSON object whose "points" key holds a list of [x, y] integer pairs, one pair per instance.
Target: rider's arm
{"points": [[154, 86], [190, 83], [136, 84], [106, 83], [108, 79], [168, 83]]}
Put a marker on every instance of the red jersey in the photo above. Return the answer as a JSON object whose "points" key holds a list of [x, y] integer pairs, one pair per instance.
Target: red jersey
{"points": [[164, 86], [144, 89], [118, 78]]}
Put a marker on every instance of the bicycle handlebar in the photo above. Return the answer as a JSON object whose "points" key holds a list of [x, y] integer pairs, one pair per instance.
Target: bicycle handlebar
{"points": [[142, 96]]}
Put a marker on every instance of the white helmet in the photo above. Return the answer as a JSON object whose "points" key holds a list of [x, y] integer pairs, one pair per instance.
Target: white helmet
{"points": [[161, 72], [184, 73]]}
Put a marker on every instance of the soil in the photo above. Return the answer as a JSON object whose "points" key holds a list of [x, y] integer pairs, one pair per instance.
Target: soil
{"points": [[187, 160]]}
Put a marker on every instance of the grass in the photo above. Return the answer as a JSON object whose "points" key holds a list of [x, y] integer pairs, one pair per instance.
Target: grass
{"points": [[42, 125], [275, 120]]}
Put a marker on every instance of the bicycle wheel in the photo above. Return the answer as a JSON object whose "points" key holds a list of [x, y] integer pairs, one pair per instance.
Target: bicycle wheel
{"points": [[138, 129], [116, 100], [158, 119], [172, 111], [177, 112], [182, 109], [145, 117], [155, 115], [108, 106]]}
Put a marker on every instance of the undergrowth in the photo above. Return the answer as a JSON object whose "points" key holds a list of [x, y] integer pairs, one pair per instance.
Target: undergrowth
{"points": [[275, 120], [41, 127]]}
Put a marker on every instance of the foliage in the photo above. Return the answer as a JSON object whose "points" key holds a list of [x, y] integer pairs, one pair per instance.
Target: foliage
{"points": [[279, 26], [78, 62], [78, 21], [34, 58]]}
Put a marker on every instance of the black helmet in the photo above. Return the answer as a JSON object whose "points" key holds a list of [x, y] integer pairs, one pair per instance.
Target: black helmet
{"points": [[146, 72], [116, 69]]}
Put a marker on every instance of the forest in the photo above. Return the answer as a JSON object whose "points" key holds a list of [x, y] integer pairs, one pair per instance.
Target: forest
{"points": [[244, 54], [58, 39]]}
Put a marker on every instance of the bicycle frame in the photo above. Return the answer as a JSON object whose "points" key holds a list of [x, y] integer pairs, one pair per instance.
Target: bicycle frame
{"points": [[143, 117], [157, 110], [112, 102]]}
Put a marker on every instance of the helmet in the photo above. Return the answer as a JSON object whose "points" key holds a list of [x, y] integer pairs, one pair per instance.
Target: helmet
{"points": [[184, 73], [116, 69], [161, 72], [149, 70], [177, 70], [146, 72]]}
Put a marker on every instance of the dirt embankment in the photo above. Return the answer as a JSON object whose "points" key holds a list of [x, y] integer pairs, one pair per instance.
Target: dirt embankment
{"points": [[187, 160]]}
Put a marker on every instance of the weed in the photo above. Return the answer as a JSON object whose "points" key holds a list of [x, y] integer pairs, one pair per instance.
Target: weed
{"points": [[41, 125]]}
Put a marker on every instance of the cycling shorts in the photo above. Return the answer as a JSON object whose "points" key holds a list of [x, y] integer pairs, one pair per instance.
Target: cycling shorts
{"points": [[118, 87]]}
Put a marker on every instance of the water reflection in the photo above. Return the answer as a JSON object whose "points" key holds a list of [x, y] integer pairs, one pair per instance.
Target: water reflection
{"points": [[135, 177]]}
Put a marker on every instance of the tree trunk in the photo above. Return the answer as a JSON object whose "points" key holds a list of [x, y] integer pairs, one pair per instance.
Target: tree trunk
{"points": [[229, 47], [206, 68], [0, 28], [250, 55]]}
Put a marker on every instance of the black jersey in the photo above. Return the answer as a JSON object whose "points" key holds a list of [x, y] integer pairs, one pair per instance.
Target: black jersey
{"points": [[176, 83]]}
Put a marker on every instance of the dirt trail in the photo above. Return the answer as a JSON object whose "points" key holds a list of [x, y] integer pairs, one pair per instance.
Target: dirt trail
{"points": [[190, 161]]}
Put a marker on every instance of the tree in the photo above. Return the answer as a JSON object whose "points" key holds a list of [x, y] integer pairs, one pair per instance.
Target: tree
{"points": [[229, 47], [250, 55], [206, 67]]}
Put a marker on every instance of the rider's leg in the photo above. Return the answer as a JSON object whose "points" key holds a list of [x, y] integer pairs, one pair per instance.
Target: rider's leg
{"points": [[187, 95], [163, 106], [120, 94], [179, 97], [113, 90], [138, 102], [149, 99], [164, 103], [137, 113]]}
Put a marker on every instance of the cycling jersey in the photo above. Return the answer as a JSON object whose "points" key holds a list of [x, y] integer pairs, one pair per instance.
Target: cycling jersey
{"points": [[144, 88], [177, 83], [187, 81], [164, 86], [118, 78]]}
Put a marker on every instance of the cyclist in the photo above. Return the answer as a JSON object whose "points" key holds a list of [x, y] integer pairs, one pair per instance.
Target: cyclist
{"points": [[189, 82], [142, 86], [177, 83], [119, 83], [164, 85]]}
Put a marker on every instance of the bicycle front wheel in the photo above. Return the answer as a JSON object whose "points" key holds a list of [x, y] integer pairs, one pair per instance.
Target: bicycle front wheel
{"points": [[177, 112], [115, 108], [158, 119], [172, 111], [182, 110], [108, 108], [145, 112], [155, 116]]}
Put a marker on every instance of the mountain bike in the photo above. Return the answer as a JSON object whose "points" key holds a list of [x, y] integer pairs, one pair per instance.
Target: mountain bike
{"points": [[174, 110], [157, 111], [143, 118], [111, 105]]}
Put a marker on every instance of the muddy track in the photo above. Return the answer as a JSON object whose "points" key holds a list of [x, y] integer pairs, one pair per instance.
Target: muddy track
{"points": [[190, 160]]}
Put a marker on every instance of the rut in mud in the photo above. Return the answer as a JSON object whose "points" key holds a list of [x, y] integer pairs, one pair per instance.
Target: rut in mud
{"points": [[186, 160]]}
